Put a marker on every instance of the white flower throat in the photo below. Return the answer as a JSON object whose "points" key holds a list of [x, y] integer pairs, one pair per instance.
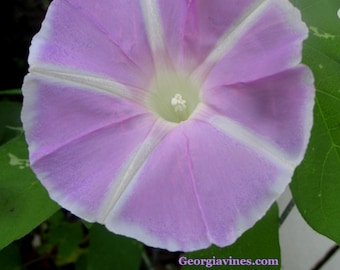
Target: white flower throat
{"points": [[172, 96]]}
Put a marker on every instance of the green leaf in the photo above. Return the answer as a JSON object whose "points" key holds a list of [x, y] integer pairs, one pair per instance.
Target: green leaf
{"points": [[10, 258], [81, 264], [24, 203], [10, 124], [87, 224], [260, 242], [316, 183], [66, 237], [10, 92], [109, 251]]}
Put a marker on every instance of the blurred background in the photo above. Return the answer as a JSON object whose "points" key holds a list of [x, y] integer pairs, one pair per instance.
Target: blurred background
{"points": [[19, 21]]}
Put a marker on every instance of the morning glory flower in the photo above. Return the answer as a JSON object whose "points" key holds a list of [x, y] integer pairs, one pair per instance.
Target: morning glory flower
{"points": [[177, 123]]}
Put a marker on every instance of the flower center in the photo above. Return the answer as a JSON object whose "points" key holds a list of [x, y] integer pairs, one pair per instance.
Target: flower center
{"points": [[178, 103], [172, 96]]}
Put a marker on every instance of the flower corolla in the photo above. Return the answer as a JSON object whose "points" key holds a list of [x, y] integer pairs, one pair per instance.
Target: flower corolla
{"points": [[176, 122]]}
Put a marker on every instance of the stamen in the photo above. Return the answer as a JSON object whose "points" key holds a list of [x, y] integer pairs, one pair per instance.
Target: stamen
{"points": [[178, 103]]}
